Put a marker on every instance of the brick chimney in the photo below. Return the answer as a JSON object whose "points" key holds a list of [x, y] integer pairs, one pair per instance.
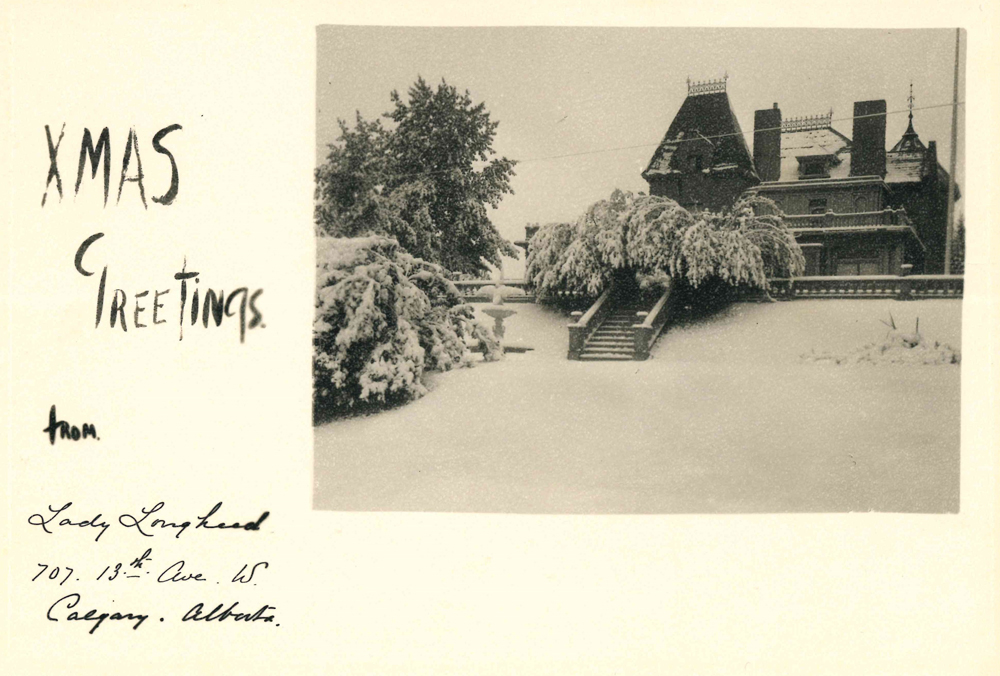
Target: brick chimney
{"points": [[929, 168], [767, 143], [868, 144]]}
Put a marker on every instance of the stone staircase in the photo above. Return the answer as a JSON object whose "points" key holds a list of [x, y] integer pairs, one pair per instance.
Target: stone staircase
{"points": [[614, 339]]}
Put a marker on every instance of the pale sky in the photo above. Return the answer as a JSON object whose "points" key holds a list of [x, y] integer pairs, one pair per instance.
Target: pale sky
{"points": [[564, 91]]}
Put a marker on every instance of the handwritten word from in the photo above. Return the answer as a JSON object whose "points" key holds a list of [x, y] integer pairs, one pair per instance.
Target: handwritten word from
{"points": [[67, 431]]}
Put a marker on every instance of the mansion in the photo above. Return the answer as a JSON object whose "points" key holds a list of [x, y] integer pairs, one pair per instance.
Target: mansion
{"points": [[856, 207]]}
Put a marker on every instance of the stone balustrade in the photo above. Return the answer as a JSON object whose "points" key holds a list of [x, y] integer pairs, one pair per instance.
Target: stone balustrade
{"points": [[860, 219]]}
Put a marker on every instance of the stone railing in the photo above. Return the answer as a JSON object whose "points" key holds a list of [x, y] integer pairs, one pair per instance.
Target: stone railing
{"points": [[937, 286], [585, 323], [856, 220], [652, 324], [470, 290], [902, 287]]}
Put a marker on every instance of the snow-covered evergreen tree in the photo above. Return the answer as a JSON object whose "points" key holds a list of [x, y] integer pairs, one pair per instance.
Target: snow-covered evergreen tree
{"points": [[382, 318]]}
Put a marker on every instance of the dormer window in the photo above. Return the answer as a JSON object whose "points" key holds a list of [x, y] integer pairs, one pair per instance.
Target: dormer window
{"points": [[694, 153], [816, 166], [813, 169]]}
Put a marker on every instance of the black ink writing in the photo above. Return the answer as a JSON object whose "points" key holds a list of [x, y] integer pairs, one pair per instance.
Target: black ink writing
{"points": [[175, 573], [244, 577], [212, 309], [218, 615], [99, 156], [45, 523], [138, 523], [71, 601], [67, 431]]}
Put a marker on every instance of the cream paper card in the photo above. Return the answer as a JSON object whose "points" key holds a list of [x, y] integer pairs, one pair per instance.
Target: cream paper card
{"points": [[189, 517]]}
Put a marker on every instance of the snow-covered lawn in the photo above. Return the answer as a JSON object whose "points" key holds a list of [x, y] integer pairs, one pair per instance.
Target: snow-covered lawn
{"points": [[725, 417]]}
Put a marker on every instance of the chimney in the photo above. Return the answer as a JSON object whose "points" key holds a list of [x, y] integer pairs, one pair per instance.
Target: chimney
{"points": [[929, 168], [868, 144], [767, 143]]}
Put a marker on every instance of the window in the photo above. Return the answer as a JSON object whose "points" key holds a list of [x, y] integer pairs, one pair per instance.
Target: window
{"points": [[813, 169], [813, 256], [817, 206], [859, 266], [815, 166]]}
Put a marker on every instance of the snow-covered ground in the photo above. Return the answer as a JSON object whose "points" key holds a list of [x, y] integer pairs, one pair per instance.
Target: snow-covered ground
{"points": [[725, 417]]}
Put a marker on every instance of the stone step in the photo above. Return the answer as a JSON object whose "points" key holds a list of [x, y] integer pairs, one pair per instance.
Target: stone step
{"points": [[605, 357], [608, 350], [604, 331], [614, 338]]}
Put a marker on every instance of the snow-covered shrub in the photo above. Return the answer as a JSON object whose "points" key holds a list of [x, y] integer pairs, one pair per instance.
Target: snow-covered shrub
{"points": [[895, 349], [654, 238], [382, 318], [898, 347]]}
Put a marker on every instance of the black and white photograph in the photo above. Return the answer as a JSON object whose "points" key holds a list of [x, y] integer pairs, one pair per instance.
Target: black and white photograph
{"points": [[638, 271]]}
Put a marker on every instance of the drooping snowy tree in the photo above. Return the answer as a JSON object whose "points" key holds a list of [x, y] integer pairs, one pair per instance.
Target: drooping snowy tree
{"points": [[382, 318], [654, 239]]}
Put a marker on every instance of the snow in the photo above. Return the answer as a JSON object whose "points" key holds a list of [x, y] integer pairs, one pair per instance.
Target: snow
{"points": [[725, 417], [814, 142], [903, 167]]}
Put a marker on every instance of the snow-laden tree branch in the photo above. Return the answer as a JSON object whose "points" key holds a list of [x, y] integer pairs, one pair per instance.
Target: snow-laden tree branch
{"points": [[382, 318], [654, 238]]}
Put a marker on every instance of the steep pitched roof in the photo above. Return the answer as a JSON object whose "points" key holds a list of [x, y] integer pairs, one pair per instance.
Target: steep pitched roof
{"points": [[904, 167], [701, 117], [816, 141], [910, 161], [909, 142]]}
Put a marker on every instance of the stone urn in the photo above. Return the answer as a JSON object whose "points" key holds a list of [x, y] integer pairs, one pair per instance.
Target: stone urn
{"points": [[497, 309]]}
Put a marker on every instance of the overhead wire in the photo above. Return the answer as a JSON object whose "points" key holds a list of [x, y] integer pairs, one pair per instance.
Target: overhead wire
{"points": [[656, 145]]}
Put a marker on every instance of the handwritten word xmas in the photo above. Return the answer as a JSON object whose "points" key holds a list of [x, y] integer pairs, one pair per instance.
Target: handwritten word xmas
{"points": [[103, 151], [217, 305]]}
